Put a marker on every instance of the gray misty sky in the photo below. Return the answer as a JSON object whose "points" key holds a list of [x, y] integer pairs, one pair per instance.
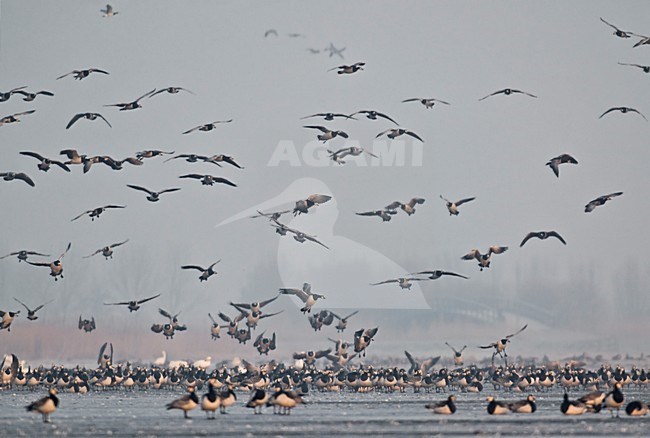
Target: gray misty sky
{"points": [[590, 295]]}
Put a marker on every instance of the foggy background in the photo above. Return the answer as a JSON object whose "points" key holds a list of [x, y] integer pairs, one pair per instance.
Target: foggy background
{"points": [[590, 295]]}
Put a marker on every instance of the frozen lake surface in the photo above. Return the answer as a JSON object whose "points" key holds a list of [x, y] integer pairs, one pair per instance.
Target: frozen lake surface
{"points": [[143, 413]]}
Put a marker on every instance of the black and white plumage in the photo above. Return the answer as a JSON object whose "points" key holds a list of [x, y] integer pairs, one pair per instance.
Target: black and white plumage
{"points": [[484, 259], [372, 115], [305, 294], [303, 205], [618, 32], [554, 163], [396, 132], [495, 407], [28, 97], [507, 92], [542, 235], [81, 74], [185, 403], [453, 206], [601, 200], [427, 102], [255, 306], [328, 116], [171, 90], [108, 11], [337, 156], [45, 406], [133, 305], [150, 153], [207, 126], [105, 360], [458, 354], [6, 95], [403, 282], [153, 196], [384, 214], [408, 208], [31, 313], [298, 235], [96, 212], [14, 118], [500, 345], [106, 251], [526, 406], [434, 275], [87, 325], [264, 344], [87, 116], [209, 180], [56, 266], [636, 408], [45, 163], [349, 69], [343, 322], [624, 110], [11, 176], [205, 272], [446, 407], [23, 254], [271, 215], [127, 106], [362, 339], [420, 367], [328, 134]]}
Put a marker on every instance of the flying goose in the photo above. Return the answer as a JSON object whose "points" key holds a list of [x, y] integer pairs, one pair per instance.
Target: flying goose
{"points": [[327, 133], [45, 163], [151, 153], [205, 272], [396, 132], [45, 406], [343, 322], [108, 12], [133, 305], [87, 116], [434, 275], [22, 254], [10, 176], [507, 92], [428, 103], [453, 206], [31, 96], [372, 115], [305, 294], [384, 214], [500, 345], [106, 251], [96, 212], [541, 235], [624, 110], [334, 51], [14, 118], [117, 164], [554, 163], [458, 354], [221, 158], [408, 208], [87, 325], [80, 74], [207, 126], [31, 314], [272, 215], [171, 90], [618, 32], [190, 158], [209, 180], [601, 200], [56, 266], [153, 196], [303, 205], [270, 32], [349, 69], [215, 330], [643, 41], [264, 345], [5, 95], [299, 236], [255, 306], [422, 368], [362, 339], [645, 68], [328, 116], [134, 104], [484, 259], [338, 156], [404, 283]]}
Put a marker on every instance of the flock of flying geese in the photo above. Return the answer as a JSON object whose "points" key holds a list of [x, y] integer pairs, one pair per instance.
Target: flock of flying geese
{"points": [[250, 314]]}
